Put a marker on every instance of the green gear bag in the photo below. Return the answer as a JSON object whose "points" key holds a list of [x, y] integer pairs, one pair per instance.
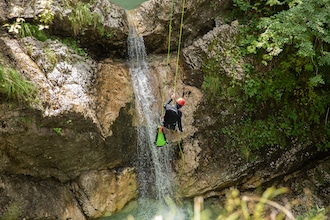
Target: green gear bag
{"points": [[161, 139]]}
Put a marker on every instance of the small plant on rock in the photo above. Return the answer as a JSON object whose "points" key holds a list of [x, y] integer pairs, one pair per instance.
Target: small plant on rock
{"points": [[14, 86]]}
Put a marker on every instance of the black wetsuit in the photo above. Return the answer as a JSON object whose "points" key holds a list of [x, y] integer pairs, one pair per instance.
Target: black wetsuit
{"points": [[172, 116]]}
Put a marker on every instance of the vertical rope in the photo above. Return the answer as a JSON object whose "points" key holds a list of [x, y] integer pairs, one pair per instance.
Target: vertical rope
{"points": [[179, 46], [182, 157], [176, 72], [168, 53], [175, 79]]}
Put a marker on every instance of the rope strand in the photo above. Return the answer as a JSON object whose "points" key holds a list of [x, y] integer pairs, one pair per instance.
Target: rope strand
{"points": [[176, 72], [168, 53], [175, 84], [179, 46]]}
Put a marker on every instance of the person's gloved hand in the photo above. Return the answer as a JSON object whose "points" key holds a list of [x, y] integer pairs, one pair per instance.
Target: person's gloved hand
{"points": [[173, 96]]}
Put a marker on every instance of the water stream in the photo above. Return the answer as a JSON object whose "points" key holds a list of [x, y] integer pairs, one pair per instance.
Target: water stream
{"points": [[154, 163]]}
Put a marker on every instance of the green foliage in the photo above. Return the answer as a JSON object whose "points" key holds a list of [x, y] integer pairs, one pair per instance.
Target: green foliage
{"points": [[258, 8], [46, 16], [74, 44], [251, 135], [51, 56], [212, 84], [242, 4], [316, 213], [58, 131], [284, 94], [82, 17], [44, 19], [15, 26], [19, 27], [254, 207], [306, 25], [30, 30], [14, 86]]}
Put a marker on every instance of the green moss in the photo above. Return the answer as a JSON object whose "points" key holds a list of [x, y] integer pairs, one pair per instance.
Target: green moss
{"points": [[51, 56], [74, 44]]}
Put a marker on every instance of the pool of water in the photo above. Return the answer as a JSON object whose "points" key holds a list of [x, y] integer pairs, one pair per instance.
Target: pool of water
{"points": [[128, 4], [153, 210]]}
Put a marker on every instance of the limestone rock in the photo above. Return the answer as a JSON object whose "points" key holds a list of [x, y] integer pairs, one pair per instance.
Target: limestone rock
{"points": [[216, 44], [114, 91], [108, 38], [51, 199], [2, 11], [104, 192], [152, 21], [44, 140]]}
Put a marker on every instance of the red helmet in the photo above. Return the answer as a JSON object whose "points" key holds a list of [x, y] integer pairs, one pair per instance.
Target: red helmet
{"points": [[181, 101]]}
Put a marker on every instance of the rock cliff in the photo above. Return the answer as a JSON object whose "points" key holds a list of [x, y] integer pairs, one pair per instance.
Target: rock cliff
{"points": [[71, 154]]}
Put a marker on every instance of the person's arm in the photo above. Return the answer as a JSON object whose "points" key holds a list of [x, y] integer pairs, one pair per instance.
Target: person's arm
{"points": [[168, 101]]}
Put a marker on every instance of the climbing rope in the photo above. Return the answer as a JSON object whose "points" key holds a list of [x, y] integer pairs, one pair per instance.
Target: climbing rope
{"points": [[175, 80], [168, 53], [169, 50], [179, 46], [182, 158], [176, 70]]}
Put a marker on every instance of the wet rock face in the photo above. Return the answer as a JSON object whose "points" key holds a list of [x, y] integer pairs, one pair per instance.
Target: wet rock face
{"points": [[104, 191], [114, 91], [67, 131], [108, 39], [66, 120], [58, 147], [153, 19], [94, 194], [30, 198], [216, 44], [69, 76]]}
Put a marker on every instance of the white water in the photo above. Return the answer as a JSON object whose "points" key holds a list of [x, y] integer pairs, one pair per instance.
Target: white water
{"points": [[154, 163]]}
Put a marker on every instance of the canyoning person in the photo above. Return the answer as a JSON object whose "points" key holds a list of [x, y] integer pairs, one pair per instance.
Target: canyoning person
{"points": [[172, 117]]}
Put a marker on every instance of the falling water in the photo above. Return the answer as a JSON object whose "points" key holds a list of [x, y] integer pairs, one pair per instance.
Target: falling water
{"points": [[154, 165]]}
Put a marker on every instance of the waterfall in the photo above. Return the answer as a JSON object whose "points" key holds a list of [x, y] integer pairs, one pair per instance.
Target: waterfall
{"points": [[154, 163]]}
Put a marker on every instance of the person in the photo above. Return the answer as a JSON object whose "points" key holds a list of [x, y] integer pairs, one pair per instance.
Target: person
{"points": [[173, 115]]}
